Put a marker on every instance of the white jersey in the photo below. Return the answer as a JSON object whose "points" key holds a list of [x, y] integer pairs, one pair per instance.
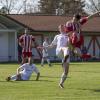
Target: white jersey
{"points": [[61, 40], [45, 50], [27, 70], [62, 43]]}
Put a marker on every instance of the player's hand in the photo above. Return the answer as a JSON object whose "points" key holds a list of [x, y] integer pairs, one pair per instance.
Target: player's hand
{"points": [[40, 47]]}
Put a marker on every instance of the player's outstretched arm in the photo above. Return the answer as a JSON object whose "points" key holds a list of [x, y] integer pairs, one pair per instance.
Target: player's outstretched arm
{"points": [[50, 46], [91, 16]]}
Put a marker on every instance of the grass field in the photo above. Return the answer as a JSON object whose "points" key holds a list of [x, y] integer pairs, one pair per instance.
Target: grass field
{"points": [[83, 83]]}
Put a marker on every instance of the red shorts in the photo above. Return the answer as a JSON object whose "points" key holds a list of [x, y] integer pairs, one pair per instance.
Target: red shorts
{"points": [[75, 41], [27, 54]]}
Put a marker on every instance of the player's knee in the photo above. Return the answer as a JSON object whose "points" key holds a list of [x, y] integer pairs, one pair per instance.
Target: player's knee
{"points": [[64, 74], [65, 58], [18, 77]]}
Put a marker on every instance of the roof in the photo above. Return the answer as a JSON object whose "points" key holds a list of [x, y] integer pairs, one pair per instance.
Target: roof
{"points": [[51, 23]]}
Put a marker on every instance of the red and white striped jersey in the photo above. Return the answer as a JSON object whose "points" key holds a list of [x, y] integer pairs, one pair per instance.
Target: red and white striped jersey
{"points": [[26, 41], [70, 26]]}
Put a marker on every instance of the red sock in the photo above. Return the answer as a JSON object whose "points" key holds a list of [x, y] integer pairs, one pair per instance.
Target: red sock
{"points": [[86, 56]]}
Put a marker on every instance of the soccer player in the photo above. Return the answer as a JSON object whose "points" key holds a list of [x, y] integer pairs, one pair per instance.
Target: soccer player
{"points": [[27, 42], [61, 41], [24, 72], [45, 55], [74, 28]]}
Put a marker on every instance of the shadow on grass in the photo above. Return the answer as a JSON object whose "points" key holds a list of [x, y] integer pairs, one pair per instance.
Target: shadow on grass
{"points": [[94, 90], [52, 77], [87, 71], [27, 81]]}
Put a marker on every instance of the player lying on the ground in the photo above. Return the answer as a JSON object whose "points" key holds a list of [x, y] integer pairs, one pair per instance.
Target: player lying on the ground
{"points": [[24, 72], [73, 28]]}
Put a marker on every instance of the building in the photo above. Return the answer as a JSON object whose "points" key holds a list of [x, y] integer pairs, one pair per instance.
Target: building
{"points": [[11, 26]]}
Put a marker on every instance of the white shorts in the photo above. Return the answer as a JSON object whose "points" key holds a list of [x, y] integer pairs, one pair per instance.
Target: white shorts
{"points": [[26, 76], [44, 54], [62, 52]]}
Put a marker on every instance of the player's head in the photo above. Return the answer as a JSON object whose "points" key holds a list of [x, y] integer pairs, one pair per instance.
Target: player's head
{"points": [[61, 28], [26, 31], [76, 17], [46, 39]]}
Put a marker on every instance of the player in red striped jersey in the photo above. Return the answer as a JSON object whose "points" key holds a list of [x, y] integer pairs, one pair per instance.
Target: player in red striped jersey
{"points": [[27, 42], [74, 28]]}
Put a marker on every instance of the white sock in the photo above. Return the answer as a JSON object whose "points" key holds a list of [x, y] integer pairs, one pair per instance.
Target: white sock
{"points": [[13, 77], [42, 62], [48, 61], [63, 78]]}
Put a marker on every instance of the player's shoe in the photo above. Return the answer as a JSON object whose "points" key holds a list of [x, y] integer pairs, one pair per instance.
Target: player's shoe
{"points": [[61, 86], [8, 78], [50, 65], [87, 56], [42, 65]]}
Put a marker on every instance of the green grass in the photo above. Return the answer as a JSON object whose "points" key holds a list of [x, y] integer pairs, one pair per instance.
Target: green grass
{"points": [[83, 83]]}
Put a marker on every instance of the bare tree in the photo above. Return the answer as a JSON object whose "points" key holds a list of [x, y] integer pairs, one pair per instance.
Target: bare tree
{"points": [[92, 6], [60, 7], [17, 6]]}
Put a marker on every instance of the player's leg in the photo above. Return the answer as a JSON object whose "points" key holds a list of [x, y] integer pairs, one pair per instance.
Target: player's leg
{"points": [[78, 52], [42, 61], [73, 39], [24, 55], [48, 61], [65, 67], [19, 77], [64, 74], [13, 77], [30, 59]]}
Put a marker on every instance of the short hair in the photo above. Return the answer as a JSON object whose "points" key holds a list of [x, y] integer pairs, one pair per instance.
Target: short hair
{"points": [[77, 16], [60, 26]]}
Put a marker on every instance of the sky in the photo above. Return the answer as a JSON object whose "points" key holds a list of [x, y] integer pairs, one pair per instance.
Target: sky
{"points": [[89, 8], [35, 3], [20, 3]]}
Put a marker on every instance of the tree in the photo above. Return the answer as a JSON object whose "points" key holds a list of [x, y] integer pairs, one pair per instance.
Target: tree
{"points": [[63, 6], [3, 10], [48, 6], [91, 6], [17, 6]]}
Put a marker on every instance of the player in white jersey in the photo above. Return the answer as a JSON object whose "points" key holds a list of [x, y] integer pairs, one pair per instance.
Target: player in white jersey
{"points": [[45, 55], [62, 50], [24, 72]]}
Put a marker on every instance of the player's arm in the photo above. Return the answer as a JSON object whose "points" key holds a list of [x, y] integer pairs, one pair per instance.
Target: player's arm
{"points": [[37, 73], [37, 47], [91, 16], [53, 44], [20, 69], [69, 28], [20, 41], [50, 46]]}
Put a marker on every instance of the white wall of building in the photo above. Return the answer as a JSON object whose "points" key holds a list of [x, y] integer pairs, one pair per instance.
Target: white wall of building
{"points": [[3, 46], [8, 45]]}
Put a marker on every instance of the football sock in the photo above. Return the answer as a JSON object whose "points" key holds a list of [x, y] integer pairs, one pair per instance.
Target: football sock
{"points": [[13, 77], [42, 62], [63, 78]]}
